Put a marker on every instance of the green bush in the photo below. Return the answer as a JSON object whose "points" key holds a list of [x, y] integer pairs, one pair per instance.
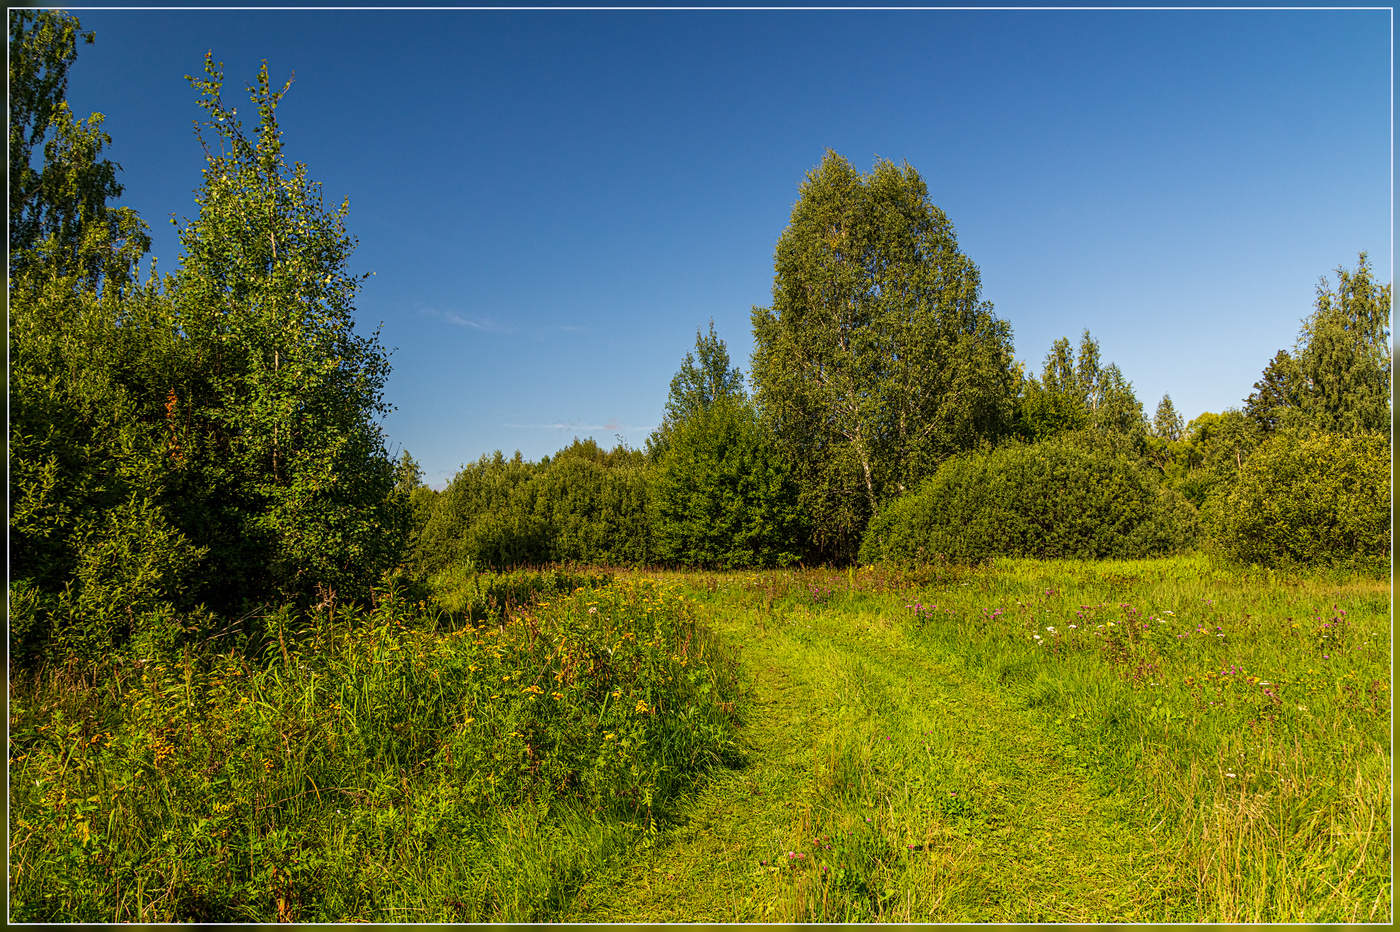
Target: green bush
{"points": [[451, 534], [583, 506], [1319, 499], [1067, 497], [723, 496], [590, 512]]}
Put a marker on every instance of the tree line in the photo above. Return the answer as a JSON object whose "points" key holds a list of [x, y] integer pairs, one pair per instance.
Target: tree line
{"points": [[189, 449], [888, 419]]}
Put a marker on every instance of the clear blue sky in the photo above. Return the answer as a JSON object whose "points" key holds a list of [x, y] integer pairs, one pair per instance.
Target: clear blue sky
{"points": [[552, 203]]}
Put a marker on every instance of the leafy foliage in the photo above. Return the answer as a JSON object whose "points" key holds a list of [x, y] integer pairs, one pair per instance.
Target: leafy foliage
{"points": [[389, 762], [468, 523], [723, 495], [704, 377], [157, 466], [94, 548], [59, 215], [1343, 361], [1211, 454], [290, 485], [1073, 496], [1272, 393], [878, 359], [1073, 395], [1308, 498], [583, 505], [1166, 423]]}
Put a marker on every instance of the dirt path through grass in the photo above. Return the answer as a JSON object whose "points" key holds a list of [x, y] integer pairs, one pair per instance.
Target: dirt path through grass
{"points": [[882, 784]]}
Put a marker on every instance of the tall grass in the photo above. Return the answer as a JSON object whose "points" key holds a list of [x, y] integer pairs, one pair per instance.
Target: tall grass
{"points": [[391, 766], [1246, 712], [1154, 740]]}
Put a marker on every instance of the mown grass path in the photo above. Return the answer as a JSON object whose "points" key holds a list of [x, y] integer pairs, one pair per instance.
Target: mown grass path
{"points": [[910, 792]]}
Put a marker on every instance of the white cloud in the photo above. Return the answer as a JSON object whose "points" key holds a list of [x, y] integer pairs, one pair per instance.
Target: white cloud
{"points": [[612, 426], [484, 325]]}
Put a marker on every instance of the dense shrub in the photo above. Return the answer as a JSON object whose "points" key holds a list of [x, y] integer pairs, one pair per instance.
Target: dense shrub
{"points": [[457, 531], [723, 496], [589, 512], [1314, 498], [479, 596], [1067, 497], [582, 506]]}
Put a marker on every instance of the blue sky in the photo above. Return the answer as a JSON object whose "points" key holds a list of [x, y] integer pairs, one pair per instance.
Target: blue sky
{"points": [[552, 203]]}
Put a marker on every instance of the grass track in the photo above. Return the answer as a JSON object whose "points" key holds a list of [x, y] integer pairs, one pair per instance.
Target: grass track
{"points": [[857, 735]]}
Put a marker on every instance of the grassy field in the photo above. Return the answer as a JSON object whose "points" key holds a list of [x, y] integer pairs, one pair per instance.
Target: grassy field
{"points": [[1159, 740], [1155, 740]]}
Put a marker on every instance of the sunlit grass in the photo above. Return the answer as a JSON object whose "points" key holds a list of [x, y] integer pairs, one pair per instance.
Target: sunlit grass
{"points": [[1165, 740], [392, 766], [1228, 730]]}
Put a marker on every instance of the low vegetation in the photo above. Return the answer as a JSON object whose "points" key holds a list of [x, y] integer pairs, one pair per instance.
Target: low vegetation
{"points": [[1137, 741], [408, 763]]}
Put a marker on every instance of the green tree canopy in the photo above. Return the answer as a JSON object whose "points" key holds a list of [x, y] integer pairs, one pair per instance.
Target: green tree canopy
{"points": [[1075, 394], [1167, 423], [1273, 393], [1343, 359], [95, 551], [1306, 497], [722, 493], [704, 377], [878, 358], [281, 397], [59, 211], [1076, 495]]}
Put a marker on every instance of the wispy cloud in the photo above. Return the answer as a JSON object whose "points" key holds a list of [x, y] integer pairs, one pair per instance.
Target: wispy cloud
{"points": [[611, 426], [482, 324]]}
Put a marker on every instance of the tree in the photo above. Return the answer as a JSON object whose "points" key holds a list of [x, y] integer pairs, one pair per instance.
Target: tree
{"points": [[1071, 395], [723, 496], [877, 359], [1166, 423], [1077, 495], [704, 377], [289, 482], [1213, 450], [1273, 393], [408, 475], [1343, 355], [95, 552], [1118, 410], [59, 211], [1306, 497]]}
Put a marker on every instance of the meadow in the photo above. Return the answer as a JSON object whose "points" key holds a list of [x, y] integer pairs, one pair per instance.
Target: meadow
{"points": [[1155, 740]]}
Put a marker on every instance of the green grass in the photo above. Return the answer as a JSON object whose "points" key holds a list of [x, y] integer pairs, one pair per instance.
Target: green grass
{"points": [[1164, 740], [1229, 761], [408, 765]]}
